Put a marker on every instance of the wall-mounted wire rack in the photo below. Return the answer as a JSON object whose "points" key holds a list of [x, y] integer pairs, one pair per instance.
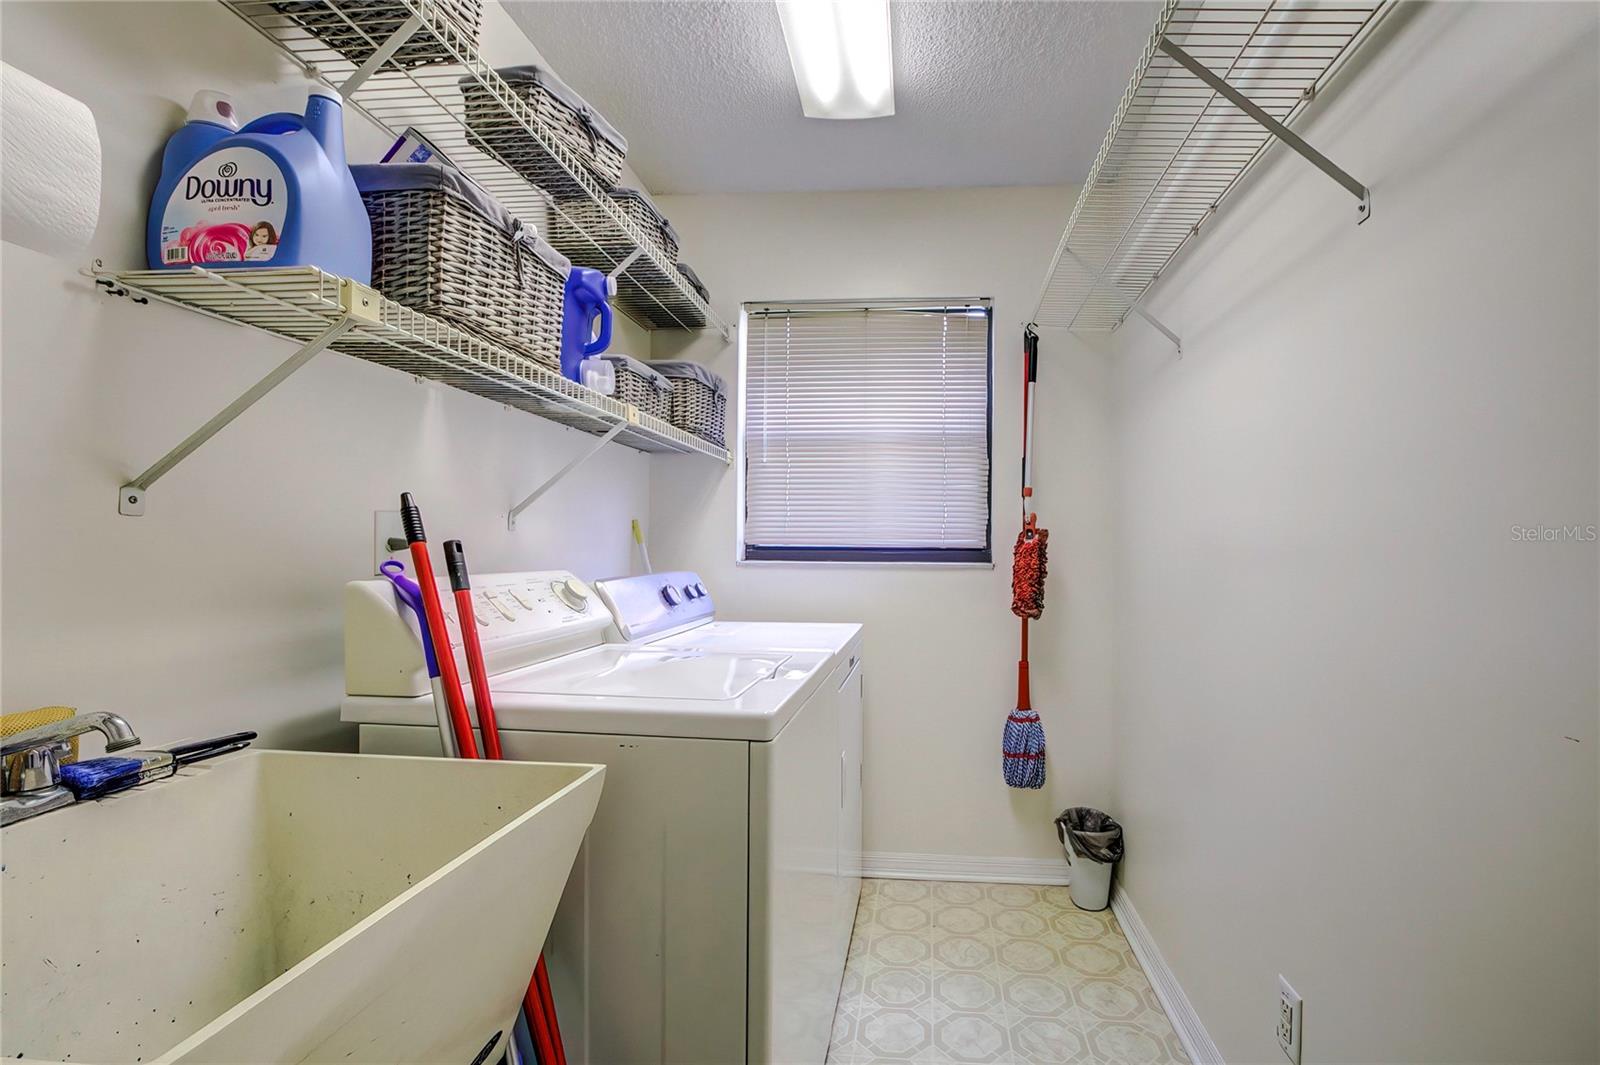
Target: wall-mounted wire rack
{"points": [[390, 89], [321, 311], [1219, 82]]}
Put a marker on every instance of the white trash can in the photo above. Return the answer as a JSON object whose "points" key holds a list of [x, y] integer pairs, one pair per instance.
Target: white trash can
{"points": [[1092, 842]]}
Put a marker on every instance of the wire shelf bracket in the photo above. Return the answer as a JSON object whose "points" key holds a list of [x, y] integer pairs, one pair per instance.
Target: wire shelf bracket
{"points": [[1132, 302], [358, 303], [533, 497], [1273, 126], [1218, 84], [385, 52]]}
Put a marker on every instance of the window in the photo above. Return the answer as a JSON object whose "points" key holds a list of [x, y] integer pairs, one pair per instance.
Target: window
{"points": [[866, 432]]}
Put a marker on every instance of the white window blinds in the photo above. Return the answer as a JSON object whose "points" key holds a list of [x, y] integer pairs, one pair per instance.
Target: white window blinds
{"points": [[866, 432]]}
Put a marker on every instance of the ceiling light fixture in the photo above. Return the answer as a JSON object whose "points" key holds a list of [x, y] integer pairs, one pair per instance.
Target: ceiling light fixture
{"points": [[840, 51]]}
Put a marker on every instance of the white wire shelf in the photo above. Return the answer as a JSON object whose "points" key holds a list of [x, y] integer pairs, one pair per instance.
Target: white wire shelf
{"points": [[1177, 146], [429, 98], [302, 304]]}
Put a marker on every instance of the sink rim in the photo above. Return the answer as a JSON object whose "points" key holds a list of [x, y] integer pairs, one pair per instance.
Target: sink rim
{"points": [[227, 1017]]}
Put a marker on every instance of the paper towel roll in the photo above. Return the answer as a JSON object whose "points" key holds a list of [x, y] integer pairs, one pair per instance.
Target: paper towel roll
{"points": [[50, 198]]}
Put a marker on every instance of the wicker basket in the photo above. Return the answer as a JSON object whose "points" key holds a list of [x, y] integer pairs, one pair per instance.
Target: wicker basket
{"points": [[442, 246], [564, 117], [639, 384], [694, 281], [699, 400], [585, 231], [355, 28], [637, 206]]}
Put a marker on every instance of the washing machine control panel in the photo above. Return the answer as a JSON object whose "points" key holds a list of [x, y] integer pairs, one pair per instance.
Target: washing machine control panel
{"points": [[521, 618], [527, 606], [656, 603]]}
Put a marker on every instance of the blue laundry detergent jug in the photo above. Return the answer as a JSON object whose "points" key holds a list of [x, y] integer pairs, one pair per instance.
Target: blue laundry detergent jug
{"points": [[275, 193], [585, 301]]}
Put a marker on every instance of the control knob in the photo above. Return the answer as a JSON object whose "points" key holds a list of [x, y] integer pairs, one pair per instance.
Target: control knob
{"points": [[572, 594]]}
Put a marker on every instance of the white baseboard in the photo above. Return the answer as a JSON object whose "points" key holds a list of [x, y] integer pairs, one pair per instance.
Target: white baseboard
{"points": [[1196, 1043], [891, 866]]}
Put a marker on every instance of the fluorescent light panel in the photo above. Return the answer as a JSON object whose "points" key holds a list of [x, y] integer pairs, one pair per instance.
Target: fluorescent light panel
{"points": [[840, 51]]}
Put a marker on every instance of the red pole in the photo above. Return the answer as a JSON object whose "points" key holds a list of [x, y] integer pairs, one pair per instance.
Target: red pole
{"points": [[538, 1026], [537, 1002], [411, 519], [541, 979], [455, 563]]}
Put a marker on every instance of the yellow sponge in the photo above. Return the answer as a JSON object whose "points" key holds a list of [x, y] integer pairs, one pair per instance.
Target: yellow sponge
{"points": [[23, 720]]}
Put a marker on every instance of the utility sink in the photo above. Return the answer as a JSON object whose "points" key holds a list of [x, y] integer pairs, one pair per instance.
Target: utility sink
{"points": [[279, 906]]}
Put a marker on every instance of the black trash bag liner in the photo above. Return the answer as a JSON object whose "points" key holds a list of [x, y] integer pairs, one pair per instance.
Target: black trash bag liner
{"points": [[1092, 834]]}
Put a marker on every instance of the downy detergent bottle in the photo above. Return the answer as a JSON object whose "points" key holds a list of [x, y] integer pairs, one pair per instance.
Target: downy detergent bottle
{"points": [[276, 193]]}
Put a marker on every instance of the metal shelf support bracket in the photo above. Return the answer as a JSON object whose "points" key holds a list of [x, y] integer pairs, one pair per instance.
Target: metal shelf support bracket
{"points": [[622, 267], [1272, 126], [381, 55], [560, 475], [1155, 323], [1100, 279], [359, 303]]}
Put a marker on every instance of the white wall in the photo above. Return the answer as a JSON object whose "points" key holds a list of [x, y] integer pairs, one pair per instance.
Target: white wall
{"points": [[941, 644], [219, 609], [1328, 643], [1356, 716]]}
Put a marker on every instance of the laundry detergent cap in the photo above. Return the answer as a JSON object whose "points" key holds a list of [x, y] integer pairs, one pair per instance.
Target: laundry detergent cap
{"points": [[214, 107]]}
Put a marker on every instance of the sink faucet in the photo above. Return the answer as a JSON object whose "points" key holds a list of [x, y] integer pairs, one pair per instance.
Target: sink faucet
{"points": [[31, 784]]}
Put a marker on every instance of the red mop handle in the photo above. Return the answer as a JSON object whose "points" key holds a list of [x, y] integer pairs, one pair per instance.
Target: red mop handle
{"points": [[544, 1046], [1024, 696], [538, 1003], [411, 519], [455, 563], [540, 1011], [541, 980], [1030, 377]]}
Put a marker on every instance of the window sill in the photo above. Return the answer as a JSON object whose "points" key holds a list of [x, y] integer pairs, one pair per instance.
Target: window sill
{"points": [[781, 563]]}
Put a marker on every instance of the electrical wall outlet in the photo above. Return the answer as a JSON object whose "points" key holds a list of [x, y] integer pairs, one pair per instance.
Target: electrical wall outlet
{"points": [[1291, 1013], [386, 530]]}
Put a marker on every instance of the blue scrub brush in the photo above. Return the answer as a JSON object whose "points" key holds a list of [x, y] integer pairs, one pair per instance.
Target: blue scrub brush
{"points": [[95, 778]]}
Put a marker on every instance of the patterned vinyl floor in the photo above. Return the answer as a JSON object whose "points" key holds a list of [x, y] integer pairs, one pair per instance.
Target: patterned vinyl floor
{"points": [[1002, 974]]}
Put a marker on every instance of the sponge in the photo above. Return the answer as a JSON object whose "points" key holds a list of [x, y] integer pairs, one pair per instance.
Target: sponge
{"points": [[23, 720]]}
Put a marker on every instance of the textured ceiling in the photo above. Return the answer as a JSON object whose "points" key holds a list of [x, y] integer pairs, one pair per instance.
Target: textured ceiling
{"points": [[1012, 92]]}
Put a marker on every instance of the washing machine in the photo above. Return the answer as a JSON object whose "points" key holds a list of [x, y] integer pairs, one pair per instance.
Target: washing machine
{"points": [[709, 912]]}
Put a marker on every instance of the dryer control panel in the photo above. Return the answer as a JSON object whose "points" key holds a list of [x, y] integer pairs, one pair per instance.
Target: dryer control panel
{"points": [[521, 618], [657, 603]]}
